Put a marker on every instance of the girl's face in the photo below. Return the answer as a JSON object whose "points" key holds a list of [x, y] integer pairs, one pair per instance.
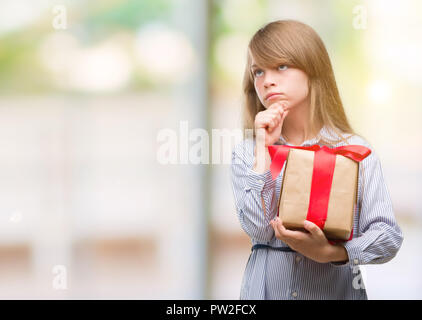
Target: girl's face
{"points": [[288, 83]]}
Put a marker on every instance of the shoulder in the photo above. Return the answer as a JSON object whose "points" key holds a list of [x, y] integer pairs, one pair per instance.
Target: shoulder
{"points": [[336, 137], [372, 160], [354, 139]]}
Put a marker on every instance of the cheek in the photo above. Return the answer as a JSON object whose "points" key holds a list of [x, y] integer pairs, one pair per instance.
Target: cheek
{"points": [[259, 88], [298, 87]]}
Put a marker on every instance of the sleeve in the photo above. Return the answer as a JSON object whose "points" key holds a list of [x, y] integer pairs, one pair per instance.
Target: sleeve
{"points": [[380, 236], [255, 198]]}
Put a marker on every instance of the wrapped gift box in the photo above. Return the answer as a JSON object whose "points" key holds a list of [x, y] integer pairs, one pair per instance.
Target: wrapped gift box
{"points": [[320, 185]]}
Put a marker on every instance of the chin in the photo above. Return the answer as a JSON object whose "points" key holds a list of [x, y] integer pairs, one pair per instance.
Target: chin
{"points": [[281, 100]]}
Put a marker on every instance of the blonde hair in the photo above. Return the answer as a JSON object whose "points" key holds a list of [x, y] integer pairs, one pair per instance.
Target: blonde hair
{"points": [[297, 45]]}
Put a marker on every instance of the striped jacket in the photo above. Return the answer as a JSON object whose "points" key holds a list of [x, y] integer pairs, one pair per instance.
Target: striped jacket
{"points": [[273, 274]]}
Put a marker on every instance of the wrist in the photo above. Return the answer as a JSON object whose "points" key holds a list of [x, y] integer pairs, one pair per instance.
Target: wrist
{"points": [[337, 253], [262, 159]]}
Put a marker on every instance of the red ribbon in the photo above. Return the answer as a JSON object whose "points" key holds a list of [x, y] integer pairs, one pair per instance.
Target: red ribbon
{"points": [[322, 174]]}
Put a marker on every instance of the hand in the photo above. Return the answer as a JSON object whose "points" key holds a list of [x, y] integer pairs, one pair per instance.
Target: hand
{"points": [[312, 244], [268, 123]]}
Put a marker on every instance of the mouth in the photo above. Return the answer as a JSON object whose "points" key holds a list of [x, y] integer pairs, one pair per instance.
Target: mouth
{"points": [[273, 95]]}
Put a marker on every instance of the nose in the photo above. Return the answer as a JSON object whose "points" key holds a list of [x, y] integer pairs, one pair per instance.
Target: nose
{"points": [[269, 79]]}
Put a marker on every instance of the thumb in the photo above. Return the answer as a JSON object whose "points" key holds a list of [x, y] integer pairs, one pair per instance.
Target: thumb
{"points": [[285, 113], [283, 116], [312, 228]]}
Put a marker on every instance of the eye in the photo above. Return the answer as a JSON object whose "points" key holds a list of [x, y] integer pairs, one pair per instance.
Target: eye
{"points": [[282, 67], [257, 72]]}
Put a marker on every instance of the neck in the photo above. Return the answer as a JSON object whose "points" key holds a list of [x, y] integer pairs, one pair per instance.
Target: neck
{"points": [[296, 127]]}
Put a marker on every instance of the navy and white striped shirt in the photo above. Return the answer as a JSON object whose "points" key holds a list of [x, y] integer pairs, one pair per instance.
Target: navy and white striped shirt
{"points": [[272, 274]]}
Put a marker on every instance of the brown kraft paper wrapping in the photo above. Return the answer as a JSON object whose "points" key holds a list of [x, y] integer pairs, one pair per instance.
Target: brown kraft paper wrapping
{"points": [[296, 188]]}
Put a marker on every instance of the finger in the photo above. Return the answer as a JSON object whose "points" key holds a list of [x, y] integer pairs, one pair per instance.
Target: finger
{"points": [[273, 106], [273, 118], [265, 121], [312, 228], [276, 114], [280, 109], [276, 232], [278, 229], [276, 123], [271, 121], [290, 234], [277, 105]]}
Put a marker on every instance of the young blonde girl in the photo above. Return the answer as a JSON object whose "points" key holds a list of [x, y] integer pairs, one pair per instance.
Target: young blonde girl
{"points": [[291, 98]]}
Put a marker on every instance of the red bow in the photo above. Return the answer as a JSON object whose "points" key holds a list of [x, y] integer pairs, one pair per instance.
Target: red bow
{"points": [[322, 176]]}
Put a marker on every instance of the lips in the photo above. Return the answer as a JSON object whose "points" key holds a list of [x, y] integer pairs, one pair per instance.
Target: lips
{"points": [[272, 94]]}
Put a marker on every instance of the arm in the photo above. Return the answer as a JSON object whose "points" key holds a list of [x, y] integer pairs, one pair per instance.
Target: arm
{"points": [[381, 237], [254, 194], [338, 253]]}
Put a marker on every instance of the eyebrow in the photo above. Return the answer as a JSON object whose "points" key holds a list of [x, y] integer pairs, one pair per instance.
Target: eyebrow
{"points": [[281, 63]]}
